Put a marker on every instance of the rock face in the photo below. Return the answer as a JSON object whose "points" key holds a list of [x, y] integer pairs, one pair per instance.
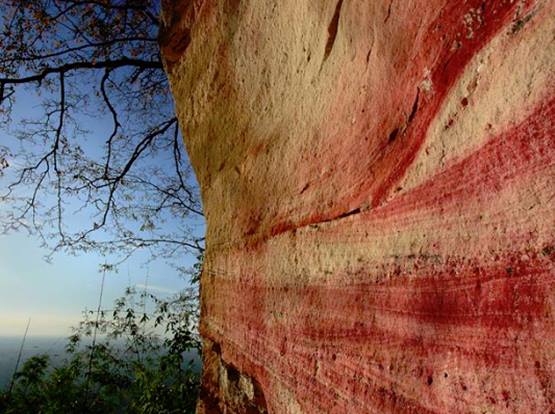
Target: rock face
{"points": [[378, 178]]}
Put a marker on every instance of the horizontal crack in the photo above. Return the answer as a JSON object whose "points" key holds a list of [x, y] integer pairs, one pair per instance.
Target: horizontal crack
{"points": [[357, 210]]}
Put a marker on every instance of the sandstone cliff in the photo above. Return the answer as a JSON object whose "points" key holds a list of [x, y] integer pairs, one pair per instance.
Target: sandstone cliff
{"points": [[378, 178]]}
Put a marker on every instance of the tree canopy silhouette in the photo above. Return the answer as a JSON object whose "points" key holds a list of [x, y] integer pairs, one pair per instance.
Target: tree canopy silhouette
{"points": [[99, 141]]}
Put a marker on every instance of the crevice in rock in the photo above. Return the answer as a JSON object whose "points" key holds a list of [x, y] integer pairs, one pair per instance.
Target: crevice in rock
{"points": [[388, 15], [369, 54], [414, 107], [332, 30], [292, 227], [341, 216], [395, 132], [242, 393], [348, 213], [392, 135], [225, 388]]}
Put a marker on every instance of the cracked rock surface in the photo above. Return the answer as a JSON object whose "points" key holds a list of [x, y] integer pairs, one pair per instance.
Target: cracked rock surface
{"points": [[378, 179]]}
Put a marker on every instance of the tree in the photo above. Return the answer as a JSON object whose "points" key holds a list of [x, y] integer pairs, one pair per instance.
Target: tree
{"points": [[90, 63], [142, 363], [98, 164]]}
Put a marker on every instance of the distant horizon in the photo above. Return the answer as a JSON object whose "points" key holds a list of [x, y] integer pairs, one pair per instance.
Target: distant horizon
{"points": [[20, 337], [54, 295], [41, 325], [54, 346]]}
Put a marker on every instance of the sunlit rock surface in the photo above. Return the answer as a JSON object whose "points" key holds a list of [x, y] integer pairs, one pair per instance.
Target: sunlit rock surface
{"points": [[379, 184]]}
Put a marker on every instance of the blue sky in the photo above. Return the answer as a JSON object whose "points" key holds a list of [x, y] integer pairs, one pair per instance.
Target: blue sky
{"points": [[54, 294]]}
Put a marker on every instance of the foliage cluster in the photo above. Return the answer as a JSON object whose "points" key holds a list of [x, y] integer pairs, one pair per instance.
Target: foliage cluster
{"points": [[145, 361]]}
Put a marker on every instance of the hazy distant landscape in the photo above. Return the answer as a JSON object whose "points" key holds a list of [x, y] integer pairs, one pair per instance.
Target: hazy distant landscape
{"points": [[9, 348], [53, 346]]}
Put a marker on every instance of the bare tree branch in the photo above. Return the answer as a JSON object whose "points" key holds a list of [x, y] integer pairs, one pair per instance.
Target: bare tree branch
{"points": [[107, 64], [123, 190]]}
